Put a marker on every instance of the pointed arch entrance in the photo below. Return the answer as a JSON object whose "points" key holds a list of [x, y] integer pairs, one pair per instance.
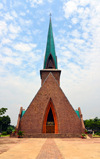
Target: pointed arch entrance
{"points": [[50, 124]]}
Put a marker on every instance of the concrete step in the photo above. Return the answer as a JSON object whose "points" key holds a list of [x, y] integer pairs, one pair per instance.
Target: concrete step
{"points": [[51, 135]]}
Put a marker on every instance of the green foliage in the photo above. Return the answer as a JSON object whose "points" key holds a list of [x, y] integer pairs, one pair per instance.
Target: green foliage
{"points": [[4, 133], [2, 111], [4, 120], [83, 134], [97, 133], [10, 129], [93, 124], [20, 133]]}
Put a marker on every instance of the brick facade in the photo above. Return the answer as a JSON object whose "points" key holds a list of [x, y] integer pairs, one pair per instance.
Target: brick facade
{"points": [[66, 118], [45, 72]]}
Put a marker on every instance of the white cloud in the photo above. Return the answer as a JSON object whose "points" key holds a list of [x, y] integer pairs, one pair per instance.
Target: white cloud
{"points": [[1, 6], [22, 13], [8, 27], [8, 17], [3, 28], [35, 2], [82, 64], [25, 22], [75, 33], [14, 28], [77, 41], [36, 31], [6, 41], [74, 20], [69, 8], [14, 14], [7, 51], [85, 35], [24, 47], [12, 36], [88, 27], [10, 60], [50, 1], [62, 31], [83, 8]]}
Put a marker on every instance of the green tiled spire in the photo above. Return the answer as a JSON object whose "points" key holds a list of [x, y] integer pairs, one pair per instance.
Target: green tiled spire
{"points": [[50, 48]]}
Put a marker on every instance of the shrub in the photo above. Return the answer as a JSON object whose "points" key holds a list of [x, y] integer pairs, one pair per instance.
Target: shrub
{"points": [[97, 133], [83, 134], [9, 130], [4, 133], [20, 133]]}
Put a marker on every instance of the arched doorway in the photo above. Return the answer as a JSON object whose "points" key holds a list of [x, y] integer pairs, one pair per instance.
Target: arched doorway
{"points": [[50, 124]]}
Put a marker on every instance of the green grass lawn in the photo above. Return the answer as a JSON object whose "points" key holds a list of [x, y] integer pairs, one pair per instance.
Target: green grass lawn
{"points": [[97, 136], [4, 135]]}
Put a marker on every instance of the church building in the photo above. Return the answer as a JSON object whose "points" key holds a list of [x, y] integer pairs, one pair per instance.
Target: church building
{"points": [[50, 114]]}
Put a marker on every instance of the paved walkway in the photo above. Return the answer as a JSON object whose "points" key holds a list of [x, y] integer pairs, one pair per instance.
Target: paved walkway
{"points": [[64, 148], [49, 151]]}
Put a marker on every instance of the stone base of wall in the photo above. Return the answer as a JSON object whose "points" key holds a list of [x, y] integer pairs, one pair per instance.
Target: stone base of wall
{"points": [[51, 135]]}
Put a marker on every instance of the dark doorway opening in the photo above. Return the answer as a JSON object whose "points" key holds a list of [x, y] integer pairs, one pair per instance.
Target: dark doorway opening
{"points": [[50, 116], [50, 125]]}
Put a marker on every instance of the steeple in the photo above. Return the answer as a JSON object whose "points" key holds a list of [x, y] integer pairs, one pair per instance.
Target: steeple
{"points": [[50, 60]]}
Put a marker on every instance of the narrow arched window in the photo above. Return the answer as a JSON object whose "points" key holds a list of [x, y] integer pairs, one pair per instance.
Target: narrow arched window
{"points": [[50, 62]]}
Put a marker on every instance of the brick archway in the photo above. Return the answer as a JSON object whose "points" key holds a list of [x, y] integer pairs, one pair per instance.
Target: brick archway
{"points": [[50, 105]]}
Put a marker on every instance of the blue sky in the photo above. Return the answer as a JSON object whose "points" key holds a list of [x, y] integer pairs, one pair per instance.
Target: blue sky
{"points": [[23, 35]]}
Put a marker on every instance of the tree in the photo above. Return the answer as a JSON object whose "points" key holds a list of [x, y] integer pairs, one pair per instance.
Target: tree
{"points": [[4, 120], [93, 124], [2, 111]]}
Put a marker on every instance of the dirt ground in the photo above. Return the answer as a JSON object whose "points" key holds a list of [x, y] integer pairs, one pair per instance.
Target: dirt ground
{"points": [[49, 148], [6, 143]]}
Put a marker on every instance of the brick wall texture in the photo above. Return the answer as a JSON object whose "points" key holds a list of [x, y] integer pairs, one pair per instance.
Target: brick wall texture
{"points": [[45, 73], [67, 119]]}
